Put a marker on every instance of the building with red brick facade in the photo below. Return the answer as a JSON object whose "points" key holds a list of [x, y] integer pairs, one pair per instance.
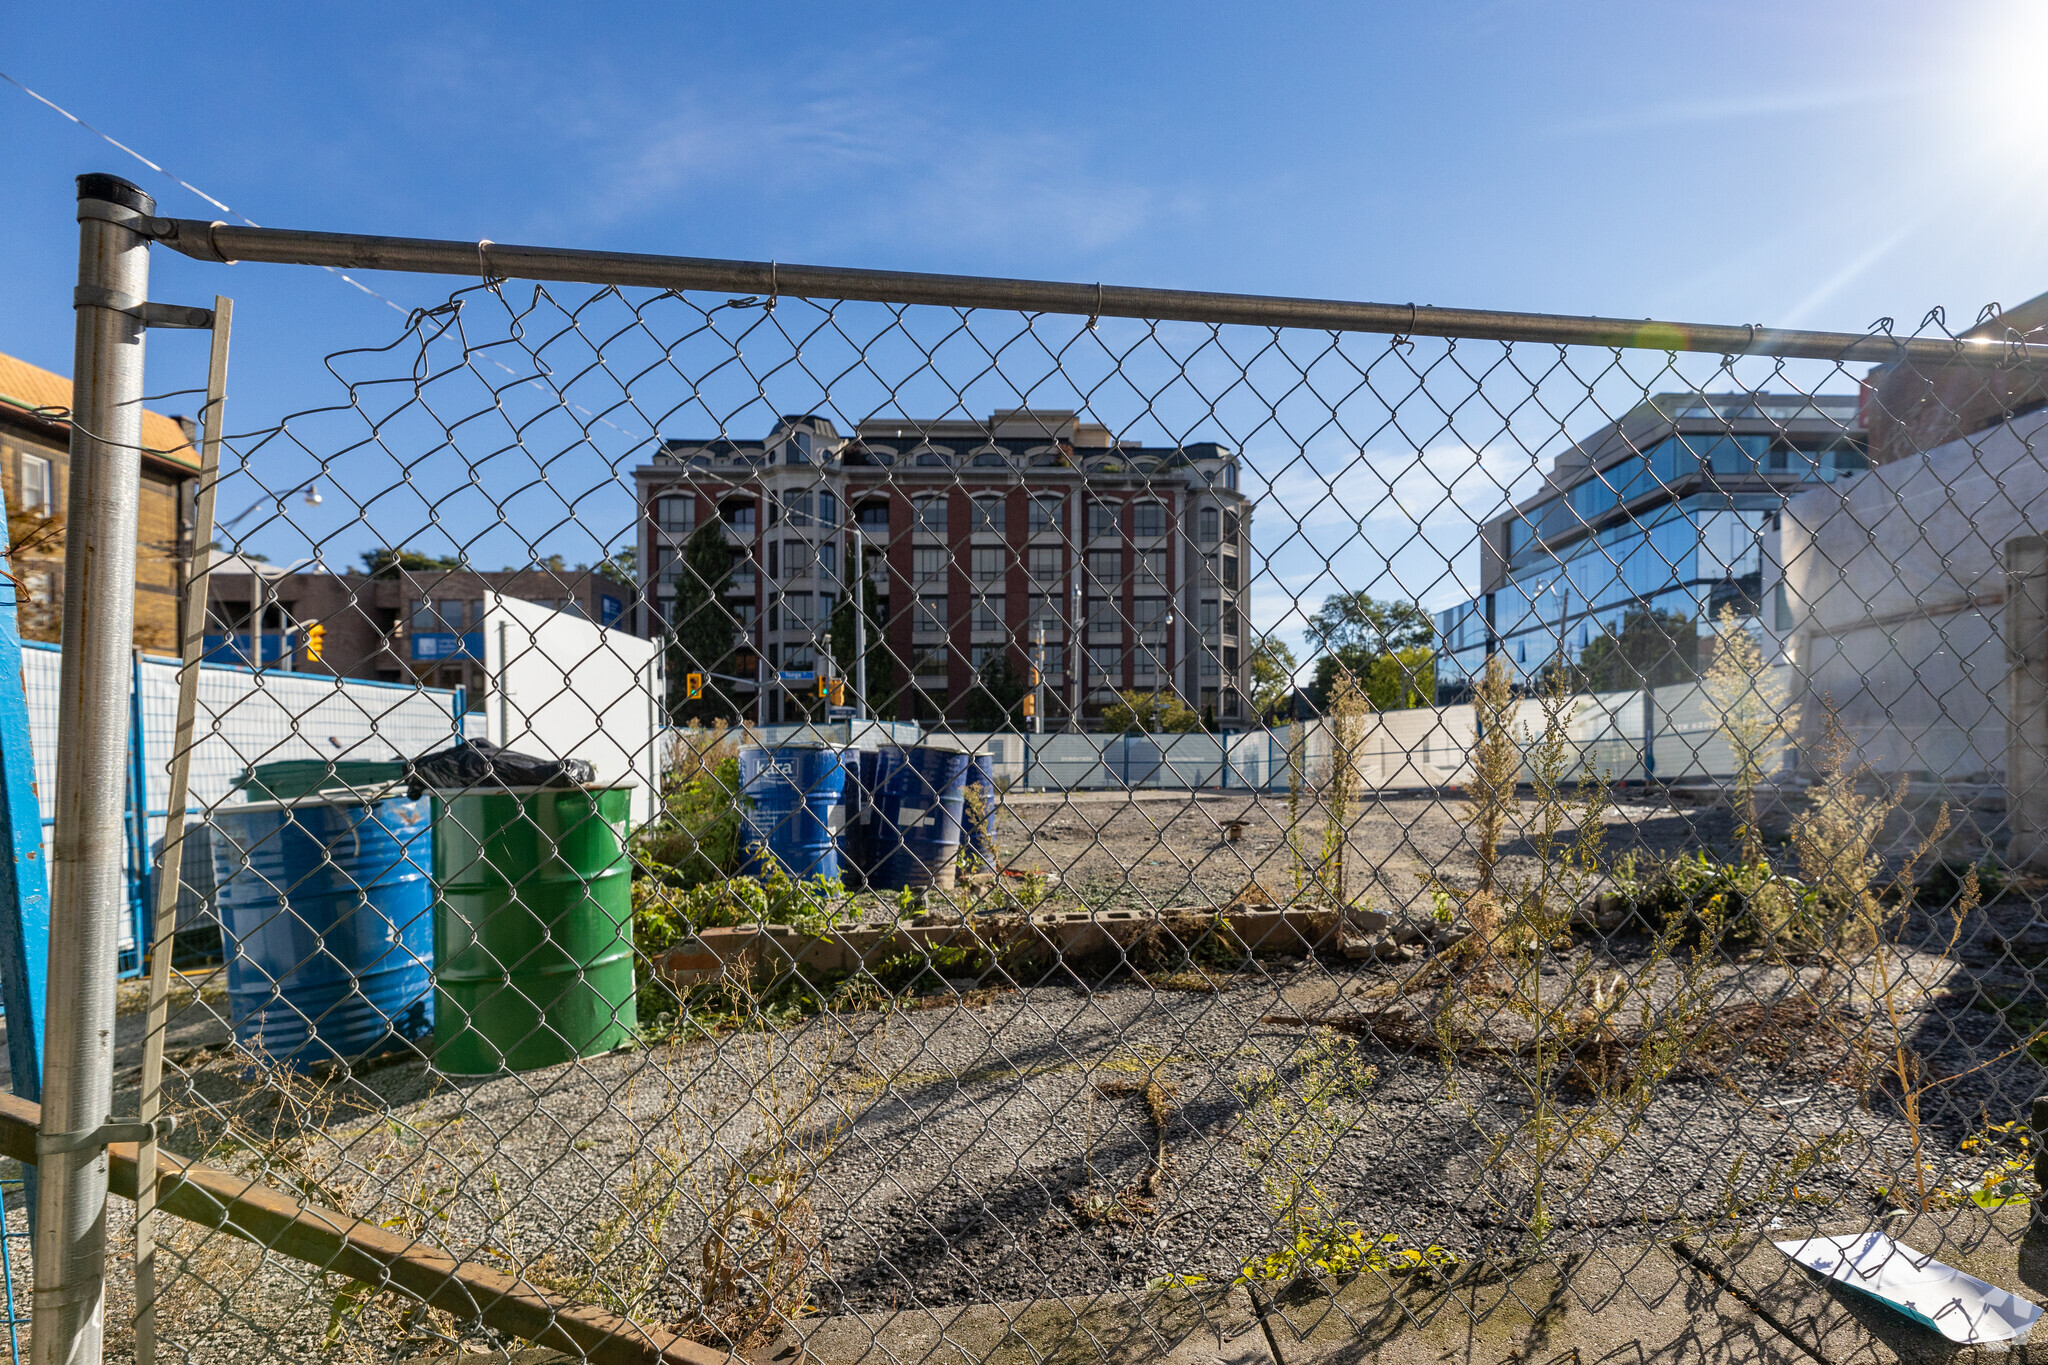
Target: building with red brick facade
{"points": [[1133, 559]]}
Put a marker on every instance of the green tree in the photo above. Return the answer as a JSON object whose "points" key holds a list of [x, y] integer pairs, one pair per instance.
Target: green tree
{"points": [[701, 632], [1357, 620], [1652, 649], [1272, 668], [881, 663], [1388, 649], [996, 697], [1150, 712], [384, 562], [1392, 680]]}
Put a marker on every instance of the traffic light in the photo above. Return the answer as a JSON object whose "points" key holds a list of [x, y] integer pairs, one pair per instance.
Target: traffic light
{"points": [[1030, 706], [838, 697], [693, 686], [316, 640], [824, 687]]}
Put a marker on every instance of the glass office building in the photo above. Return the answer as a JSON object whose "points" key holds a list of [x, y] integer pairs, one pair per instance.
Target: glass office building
{"points": [[1663, 511]]}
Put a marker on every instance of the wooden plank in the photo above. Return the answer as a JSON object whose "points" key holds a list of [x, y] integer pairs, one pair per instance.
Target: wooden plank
{"points": [[374, 1255]]}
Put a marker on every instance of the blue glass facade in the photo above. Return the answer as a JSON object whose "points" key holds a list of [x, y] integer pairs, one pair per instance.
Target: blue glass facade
{"points": [[1671, 520]]}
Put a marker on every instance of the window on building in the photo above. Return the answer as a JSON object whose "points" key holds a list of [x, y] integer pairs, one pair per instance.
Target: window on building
{"points": [[775, 559], [676, 514], [989, 613], [828, 560], [935, 458], [1233, 705], [1046, 564], [1208, 698], [1102, 615], [1148, 519], [796, 558], [1152, 568], [1149, 613], [989, 458], [1101, 519], [452, 614], [799, 658], [1045, 611], [928, 663], [990, 514], [1205, 525], [37, 490], [739, 516], [874, 518], [988, 564], [1048, 512], [798, 450], [796, 506], [828, 509], [1207, 616], [1106, 567], [1209, 665], [931, 616], [744, 613], [928, 565], [1055, 657], [1230, 618], [1230, 658], [1230, 527], [1230, 571], [1106, 660], [1146, 663], [930, 513], [981, 654]]}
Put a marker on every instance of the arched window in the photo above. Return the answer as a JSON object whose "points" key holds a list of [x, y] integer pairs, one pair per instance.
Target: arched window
{"points": [[989, 513], [989, 457], [932, 457], [929, 514]]}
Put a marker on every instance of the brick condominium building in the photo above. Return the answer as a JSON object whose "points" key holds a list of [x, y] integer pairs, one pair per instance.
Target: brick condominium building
{"points": [[975, 534]]}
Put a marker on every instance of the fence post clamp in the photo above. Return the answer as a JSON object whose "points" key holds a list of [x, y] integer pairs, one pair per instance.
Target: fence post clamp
{"points": [[112, 1131], [148, 314]]}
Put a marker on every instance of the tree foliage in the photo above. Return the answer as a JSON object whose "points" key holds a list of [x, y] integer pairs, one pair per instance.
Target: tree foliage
{"points": [[385, 562], [1357, 620], [1272, 668], [881, 698], [1150, 712], [996, 697], [701, 631]]}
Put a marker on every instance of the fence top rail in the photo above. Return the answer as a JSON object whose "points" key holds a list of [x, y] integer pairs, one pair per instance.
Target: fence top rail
{"points": [[223, 242]]}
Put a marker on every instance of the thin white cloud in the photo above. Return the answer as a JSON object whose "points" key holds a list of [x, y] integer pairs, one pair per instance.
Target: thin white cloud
{"points": [[1726, 109]]}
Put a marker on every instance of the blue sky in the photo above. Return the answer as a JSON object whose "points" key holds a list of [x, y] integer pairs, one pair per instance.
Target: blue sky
{"points": [[1809, 164]]}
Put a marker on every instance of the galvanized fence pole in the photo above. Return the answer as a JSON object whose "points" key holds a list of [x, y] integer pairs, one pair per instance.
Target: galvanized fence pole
{"points": [[90, 895]]}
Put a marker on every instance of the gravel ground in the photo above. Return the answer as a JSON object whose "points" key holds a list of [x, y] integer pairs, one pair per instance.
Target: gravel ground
{"points": [[1001, 1145]]}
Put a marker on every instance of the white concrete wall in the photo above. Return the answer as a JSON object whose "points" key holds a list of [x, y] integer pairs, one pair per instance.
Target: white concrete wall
{"points": [[565, 687], [1896, 587]]}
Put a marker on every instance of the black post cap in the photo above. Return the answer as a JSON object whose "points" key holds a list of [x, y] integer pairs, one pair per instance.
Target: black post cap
{"points": [[114, 190]]}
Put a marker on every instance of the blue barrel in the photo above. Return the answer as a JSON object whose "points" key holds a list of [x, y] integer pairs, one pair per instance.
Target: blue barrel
{"points": [[855, 840], [793, 804], [914, 838], [327, 924], [977, 835]]}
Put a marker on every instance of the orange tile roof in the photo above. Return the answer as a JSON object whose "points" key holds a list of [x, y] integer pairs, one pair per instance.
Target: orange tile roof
{"points": [[34, 388]]}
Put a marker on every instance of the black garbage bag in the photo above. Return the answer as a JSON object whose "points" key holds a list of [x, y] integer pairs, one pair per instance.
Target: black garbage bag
{"points": [[480, 763]]}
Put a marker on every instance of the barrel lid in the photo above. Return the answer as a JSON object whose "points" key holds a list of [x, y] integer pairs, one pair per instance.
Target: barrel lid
{"points": [[326, 796], [504, 789]]}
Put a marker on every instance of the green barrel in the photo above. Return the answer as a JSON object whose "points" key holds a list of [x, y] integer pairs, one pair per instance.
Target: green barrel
{"points": [[533, 928]]}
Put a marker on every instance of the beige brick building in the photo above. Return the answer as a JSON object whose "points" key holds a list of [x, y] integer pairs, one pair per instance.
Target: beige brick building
{"points": [[35, 468]]}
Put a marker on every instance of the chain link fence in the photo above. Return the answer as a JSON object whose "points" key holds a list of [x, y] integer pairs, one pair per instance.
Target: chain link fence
{"points": [[1105, 829]]}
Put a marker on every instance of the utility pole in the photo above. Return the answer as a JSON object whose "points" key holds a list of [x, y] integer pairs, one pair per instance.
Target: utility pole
{"points": [[860, 624], [1038, 677]]}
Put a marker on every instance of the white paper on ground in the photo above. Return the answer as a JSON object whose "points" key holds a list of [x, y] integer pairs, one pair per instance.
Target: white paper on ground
{"points": [[1961, 1307]]}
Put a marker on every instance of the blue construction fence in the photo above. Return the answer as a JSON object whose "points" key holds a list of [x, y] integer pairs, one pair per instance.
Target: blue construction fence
{"points": [[244, 718]]}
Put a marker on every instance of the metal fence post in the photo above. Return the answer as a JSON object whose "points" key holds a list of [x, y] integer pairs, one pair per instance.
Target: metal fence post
{"points": [[92, 738]]}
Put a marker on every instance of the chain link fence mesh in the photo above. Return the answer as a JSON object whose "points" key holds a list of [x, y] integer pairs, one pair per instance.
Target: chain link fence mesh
{"points": [[1100, 832]]}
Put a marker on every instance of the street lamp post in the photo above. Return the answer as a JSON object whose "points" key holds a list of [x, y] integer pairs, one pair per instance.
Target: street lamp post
{"points": [[1079, 641]]}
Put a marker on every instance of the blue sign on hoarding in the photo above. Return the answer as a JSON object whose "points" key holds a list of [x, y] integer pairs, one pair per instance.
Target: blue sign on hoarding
{"points": [[610, 609], [235, 649], [448, 644]]}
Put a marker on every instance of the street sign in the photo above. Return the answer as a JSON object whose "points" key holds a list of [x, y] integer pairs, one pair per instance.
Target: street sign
{"points": [[792, 675]]}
